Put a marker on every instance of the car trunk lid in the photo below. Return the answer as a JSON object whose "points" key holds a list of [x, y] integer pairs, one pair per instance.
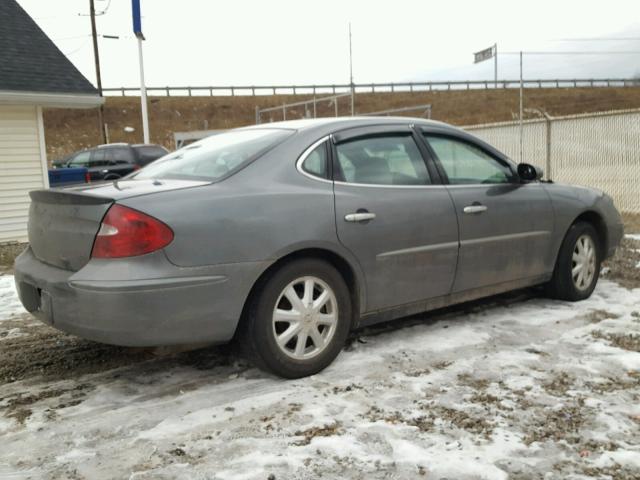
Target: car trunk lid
{"points": [[63, 223]]}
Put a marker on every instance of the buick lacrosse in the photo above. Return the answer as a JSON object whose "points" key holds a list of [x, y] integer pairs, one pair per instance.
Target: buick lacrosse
{"points": [[286, 236]]}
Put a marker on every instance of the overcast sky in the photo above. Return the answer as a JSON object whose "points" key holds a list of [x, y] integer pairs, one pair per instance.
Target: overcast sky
{"points": [[211, 42]]}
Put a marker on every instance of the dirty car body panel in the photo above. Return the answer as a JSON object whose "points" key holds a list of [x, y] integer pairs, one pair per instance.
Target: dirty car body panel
{"points": [[229, 229]]}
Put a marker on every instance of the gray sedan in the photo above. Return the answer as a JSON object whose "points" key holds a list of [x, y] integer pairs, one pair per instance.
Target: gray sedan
{"points": [[287, 236]]}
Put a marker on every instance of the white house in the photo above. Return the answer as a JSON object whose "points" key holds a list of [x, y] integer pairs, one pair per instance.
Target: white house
{"points": [[33, 74]]}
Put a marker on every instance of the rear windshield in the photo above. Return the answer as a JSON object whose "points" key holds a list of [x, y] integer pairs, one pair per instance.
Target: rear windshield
{"points": [[214, 157]]}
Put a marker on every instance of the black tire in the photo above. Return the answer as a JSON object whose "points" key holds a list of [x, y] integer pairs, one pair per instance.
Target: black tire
{"points": [[257, 337], [562, 285]]}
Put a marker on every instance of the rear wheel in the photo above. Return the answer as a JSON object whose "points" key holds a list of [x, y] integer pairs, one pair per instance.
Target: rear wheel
{"points": [[298, 322], [578, 265]]}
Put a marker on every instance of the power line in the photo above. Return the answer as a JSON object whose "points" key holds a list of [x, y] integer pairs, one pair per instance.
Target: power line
{"points": [[77, 49], [71, 38], [596, 39], [578, 52]]}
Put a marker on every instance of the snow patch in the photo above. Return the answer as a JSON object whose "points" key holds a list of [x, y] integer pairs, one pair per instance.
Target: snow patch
{"points": [[10, 305]]}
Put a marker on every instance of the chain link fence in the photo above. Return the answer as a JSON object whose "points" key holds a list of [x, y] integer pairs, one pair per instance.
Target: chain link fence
{"points": [[600, 150]]}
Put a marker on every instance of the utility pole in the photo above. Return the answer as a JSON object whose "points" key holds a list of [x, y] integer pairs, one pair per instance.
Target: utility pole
{"points": [[353, 90], [96, 57]]}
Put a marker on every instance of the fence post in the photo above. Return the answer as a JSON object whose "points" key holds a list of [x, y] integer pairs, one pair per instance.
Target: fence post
{"points": [[284, 111], [547, 120], [233, 93], [334, 89], [253, 91], [122, 90], [314, 104], [257, 115], [168, 92], [189, 90]]}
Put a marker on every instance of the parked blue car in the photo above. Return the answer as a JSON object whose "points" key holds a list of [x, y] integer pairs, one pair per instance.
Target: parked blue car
{"points": [[60, 177]]}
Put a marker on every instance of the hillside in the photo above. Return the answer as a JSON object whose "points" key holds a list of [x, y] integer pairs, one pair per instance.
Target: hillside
{"points": [[70, 130]]}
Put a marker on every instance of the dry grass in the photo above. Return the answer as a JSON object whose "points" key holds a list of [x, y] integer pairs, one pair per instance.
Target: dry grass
{"points": [[70, 130]]}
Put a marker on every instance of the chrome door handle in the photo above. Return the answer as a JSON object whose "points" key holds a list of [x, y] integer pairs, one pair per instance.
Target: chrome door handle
{"points": [[475, 209], [359, 217]]}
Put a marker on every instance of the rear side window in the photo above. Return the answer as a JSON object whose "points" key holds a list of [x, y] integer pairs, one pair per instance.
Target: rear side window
{"points": [[382, 160], [316, 162], [118, 155], [98, 158], [149, 153], [216, 156]]}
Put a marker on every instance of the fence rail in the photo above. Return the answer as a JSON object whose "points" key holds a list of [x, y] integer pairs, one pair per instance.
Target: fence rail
{"points": [[254, 90], [600, 150]]}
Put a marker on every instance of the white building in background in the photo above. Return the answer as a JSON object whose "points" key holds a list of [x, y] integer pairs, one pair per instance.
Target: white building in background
{"points": [[33, 74]]}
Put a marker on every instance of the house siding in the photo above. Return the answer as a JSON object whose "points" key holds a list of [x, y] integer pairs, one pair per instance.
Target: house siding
{"points": [[22, 167]]}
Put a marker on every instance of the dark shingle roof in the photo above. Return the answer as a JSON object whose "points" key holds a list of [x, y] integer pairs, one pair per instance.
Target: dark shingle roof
{"points": [[30, 61]]}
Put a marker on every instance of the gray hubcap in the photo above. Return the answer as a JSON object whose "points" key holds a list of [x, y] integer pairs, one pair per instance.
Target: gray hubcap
{"points": [[305, 318], [583, 262]]}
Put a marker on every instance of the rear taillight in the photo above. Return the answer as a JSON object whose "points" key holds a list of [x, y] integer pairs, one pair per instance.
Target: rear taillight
{"points": [[87, 177], [126, 232]]}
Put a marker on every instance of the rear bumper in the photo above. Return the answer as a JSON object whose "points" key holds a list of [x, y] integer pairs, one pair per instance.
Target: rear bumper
{"points": [[139, 301]]}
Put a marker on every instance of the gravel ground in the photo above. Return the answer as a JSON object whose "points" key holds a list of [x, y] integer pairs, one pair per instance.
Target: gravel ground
{"points": [[516, 386]]}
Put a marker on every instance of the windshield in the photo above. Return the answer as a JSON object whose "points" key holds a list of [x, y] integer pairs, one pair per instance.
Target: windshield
{"points": [[214, 157]]}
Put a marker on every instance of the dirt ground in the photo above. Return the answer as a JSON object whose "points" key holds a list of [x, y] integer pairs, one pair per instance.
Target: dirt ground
{"points": [[516, 386]]}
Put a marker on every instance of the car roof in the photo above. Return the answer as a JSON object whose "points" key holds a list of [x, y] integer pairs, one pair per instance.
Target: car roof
{"points": [[107, 145], [348, 122]]}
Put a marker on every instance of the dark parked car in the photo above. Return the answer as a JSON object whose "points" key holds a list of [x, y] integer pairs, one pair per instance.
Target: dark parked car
{"points": [[115, 160], [289, 235]]}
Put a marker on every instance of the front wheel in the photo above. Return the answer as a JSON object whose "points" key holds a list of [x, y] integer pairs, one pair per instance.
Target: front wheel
{"points": [[299, 320], [578, 264]]}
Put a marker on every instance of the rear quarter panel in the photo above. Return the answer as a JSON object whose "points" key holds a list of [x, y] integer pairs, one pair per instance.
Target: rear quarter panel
{"points": [[262, 213]]}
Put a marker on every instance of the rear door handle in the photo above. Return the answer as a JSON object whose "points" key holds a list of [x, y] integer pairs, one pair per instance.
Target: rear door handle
{"points": [[475, 209], [359, 217]]}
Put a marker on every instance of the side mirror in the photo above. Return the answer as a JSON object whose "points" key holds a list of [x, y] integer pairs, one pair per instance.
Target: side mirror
{"points": [[529, 173]]}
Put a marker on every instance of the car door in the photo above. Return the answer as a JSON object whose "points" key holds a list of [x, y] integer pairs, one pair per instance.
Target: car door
{"points": [[121, 161], [505, 224], [393, 214], [98, 164]]}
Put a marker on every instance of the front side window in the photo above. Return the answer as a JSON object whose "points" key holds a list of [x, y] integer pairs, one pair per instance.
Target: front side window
{"points": [[382, 160], [316, 162], [466, 164], [80, 160], [214, 157]]}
